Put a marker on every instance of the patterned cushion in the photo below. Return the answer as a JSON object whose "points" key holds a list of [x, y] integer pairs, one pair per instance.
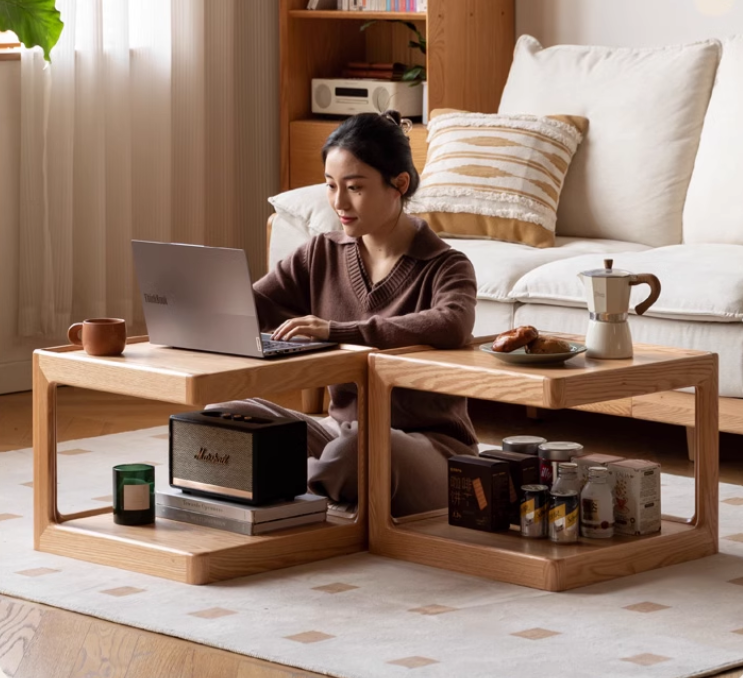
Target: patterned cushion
{"points": [[496, 176]]}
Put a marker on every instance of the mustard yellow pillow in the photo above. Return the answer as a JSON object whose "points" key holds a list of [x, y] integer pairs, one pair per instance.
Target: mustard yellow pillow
{"points": [[496, 176]]}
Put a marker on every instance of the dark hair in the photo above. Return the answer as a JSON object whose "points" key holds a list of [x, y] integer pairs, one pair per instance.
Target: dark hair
{"points": [[379, 141]]}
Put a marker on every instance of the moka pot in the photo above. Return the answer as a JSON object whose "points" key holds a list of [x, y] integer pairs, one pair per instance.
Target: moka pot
{"points": [[608, 293]]}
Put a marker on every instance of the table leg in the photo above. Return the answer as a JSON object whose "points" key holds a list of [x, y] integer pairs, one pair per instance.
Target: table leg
{"points": [[706, 445], [380, 473], [45, 452]]}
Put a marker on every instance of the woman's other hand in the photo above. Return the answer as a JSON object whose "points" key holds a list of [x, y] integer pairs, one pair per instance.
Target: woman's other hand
{"points": [[308, 326]]}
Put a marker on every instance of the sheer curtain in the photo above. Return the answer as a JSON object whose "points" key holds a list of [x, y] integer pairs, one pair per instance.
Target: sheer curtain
{"points": [[158, 120]]}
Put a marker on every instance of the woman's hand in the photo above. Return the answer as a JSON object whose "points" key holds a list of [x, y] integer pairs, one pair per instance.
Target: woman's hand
{"points": [[308, 326]]}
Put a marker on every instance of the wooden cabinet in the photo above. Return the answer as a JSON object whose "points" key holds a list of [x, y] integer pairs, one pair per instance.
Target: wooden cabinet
{"points": [[469, 50]]}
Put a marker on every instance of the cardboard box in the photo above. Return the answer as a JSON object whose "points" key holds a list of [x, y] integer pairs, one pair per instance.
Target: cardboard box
{"points": [[637, 496], [587, 460], [479, 495], [523, 469]]}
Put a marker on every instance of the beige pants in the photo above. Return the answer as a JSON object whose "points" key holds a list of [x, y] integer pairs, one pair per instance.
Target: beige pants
{"points": [[419, 460]]}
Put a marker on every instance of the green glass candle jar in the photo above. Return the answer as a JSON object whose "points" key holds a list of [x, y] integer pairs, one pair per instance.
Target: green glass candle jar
{"points": [[134, 494]]}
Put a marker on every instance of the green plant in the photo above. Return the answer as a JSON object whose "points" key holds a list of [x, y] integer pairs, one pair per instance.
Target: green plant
{"points": [[415, 73], [35, 22]]}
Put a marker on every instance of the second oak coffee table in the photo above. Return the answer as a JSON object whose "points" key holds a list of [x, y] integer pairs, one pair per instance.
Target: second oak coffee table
{"points": [[171, 549], [507, 556]]}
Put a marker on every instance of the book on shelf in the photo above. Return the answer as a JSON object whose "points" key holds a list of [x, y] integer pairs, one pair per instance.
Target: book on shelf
{"points": [[223, 508], [322, 4], [244, 527], [381, 5]]}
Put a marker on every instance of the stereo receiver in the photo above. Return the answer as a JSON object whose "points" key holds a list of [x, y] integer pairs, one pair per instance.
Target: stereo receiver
{"points": [[336, 96], [230, 456]]}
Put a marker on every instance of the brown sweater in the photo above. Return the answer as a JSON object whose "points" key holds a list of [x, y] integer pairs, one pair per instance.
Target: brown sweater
{"points": [[427, 298]]}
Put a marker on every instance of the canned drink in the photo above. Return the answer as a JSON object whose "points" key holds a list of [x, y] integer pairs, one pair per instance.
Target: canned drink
{"points": [[523, 444], [551, 454], [562, 520], [534, 507]]}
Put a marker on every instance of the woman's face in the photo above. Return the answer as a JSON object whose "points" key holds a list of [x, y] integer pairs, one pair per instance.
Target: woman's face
{"points": [[364, 202]]}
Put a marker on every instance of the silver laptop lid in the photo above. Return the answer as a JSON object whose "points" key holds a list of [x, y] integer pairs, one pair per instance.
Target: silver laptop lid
{"points": [[197, 297]]}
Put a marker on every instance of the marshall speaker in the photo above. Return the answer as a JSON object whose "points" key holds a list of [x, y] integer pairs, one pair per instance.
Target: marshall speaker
{"points": [[230, 456]]}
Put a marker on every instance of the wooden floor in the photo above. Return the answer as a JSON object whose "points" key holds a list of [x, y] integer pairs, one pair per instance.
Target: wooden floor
{"points": [[42, 642]]}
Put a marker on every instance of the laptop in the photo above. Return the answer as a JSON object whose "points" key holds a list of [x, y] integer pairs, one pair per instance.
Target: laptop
{"points": [[201, 298]]}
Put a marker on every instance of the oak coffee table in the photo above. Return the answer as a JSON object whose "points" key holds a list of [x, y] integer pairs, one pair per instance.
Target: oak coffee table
{"points": [[507, 556], [188, 553]]}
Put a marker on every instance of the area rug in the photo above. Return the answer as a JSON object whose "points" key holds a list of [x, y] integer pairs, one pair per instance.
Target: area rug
{"points": [[364, 616]]}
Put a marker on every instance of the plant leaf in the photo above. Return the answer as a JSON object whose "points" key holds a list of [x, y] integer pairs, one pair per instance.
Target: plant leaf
{"points": [[35, 22]]}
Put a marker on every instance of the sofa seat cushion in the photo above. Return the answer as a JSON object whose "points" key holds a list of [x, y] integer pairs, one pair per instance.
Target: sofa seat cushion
{"points": [[499, 265], [646, 106], [714, 210], [700, 282], [725, 339]]}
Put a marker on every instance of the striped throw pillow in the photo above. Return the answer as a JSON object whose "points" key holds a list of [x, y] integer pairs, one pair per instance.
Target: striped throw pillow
{"points": [[496, 176]]}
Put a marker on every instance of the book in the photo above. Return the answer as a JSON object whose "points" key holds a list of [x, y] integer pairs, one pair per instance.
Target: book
{"points": [[247, 528], [322, 4], [224, 508]]}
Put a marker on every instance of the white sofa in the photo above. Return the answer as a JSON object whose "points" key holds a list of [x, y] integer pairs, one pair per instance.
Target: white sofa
{"points": [[656, 185]]}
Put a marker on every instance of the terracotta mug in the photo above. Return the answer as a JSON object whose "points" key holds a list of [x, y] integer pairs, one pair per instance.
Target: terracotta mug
{"points": [[99, 336]]}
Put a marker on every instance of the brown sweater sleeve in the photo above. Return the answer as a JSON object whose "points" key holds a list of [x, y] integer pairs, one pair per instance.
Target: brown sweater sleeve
{"points": [[447, 324], [284, 292]]}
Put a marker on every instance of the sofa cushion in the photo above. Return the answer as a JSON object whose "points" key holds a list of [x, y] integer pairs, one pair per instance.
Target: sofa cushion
{"points": [[714, 210], [701, 282], [496, 176], [499, 265], [307, 208], [725, 339], [629, 177]]}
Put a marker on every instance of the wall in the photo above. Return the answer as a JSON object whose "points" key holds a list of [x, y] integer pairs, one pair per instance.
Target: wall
{"points": [[634, 23]]}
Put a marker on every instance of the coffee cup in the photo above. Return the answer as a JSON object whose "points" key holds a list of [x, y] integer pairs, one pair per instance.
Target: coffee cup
{"points": [[99, 336]]}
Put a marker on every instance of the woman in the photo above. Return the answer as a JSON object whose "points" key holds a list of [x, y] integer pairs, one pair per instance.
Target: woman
{"points": [[386, 280]]}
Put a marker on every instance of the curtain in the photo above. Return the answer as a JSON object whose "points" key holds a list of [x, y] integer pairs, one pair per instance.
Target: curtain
{"points": [[156, 120]]}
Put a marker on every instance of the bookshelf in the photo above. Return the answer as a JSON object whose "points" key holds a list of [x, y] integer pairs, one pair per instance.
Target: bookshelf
{"points": [[469, 50]]}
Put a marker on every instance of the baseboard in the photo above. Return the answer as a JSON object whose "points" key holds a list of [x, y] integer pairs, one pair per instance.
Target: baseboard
{"points": [[15, 376]]}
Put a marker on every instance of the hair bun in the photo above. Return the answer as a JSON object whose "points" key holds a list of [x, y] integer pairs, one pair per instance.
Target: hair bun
{"points": [[393, 116]]}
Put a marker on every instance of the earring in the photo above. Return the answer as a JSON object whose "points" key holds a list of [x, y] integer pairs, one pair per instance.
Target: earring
{"points": [[406, 125]]}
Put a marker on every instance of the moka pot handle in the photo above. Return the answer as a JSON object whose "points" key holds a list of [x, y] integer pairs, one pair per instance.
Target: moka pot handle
{"points": [[654, 283]]}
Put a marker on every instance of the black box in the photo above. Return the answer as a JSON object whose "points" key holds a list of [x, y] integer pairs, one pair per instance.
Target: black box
{"points": [[479, 493], [523, 469], [245, 459]]}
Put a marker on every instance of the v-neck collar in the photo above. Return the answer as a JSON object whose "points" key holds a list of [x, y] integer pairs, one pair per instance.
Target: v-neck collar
{"points": [[379, 294], [426, 245]]}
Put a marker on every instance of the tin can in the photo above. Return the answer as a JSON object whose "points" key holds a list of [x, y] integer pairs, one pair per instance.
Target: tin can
{"points": [[522, 444], [562, 520], [534, 507], [551, 454]]}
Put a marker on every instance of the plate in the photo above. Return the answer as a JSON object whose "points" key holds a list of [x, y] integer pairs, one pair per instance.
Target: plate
{"points": [[521, 357]]}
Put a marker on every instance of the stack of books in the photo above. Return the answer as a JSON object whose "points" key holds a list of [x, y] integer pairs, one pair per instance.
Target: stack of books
{"points": [[370, 5], [376, 71], [231, 516]]}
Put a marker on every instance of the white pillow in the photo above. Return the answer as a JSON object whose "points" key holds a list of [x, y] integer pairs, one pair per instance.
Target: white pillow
{"points": [[714, 209], [307, 208], [629, 177]]}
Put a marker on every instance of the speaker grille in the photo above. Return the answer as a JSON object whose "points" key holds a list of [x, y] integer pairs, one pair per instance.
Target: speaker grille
{"points": [[322, 96], [381, 99], [213, 455]]}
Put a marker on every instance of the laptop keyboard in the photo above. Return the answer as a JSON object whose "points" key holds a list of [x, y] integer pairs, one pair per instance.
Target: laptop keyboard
{"points": [[274, 345]]}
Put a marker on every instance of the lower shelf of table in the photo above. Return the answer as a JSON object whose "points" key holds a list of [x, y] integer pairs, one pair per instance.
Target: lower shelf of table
{"points": [[540, 563], [193, 554]]}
